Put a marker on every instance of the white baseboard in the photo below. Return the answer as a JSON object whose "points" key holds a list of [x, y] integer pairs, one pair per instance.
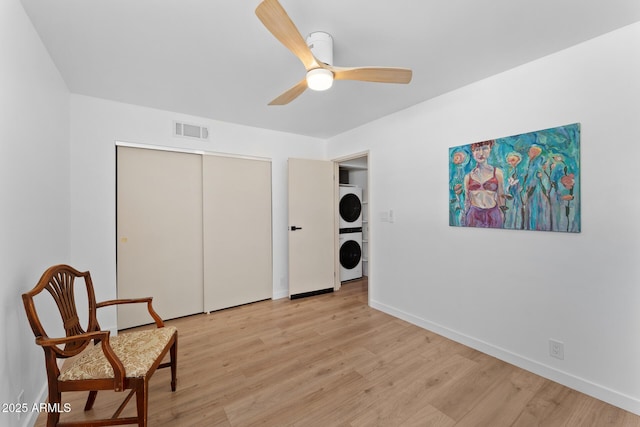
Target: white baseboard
{"points": [[600, 392]]}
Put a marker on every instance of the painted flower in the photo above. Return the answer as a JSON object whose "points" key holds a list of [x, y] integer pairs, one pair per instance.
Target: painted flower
{"points": [[558, 158], [534, 152], [568, 181], [457, 189], [513, 159], [459, 157], [567, 197]]}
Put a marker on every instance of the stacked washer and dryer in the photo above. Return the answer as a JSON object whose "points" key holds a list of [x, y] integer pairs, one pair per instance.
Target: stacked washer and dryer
{"points": [[350, 239]]}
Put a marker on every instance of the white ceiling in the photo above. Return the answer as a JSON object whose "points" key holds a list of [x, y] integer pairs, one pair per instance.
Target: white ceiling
{"points": [[214, 58]]}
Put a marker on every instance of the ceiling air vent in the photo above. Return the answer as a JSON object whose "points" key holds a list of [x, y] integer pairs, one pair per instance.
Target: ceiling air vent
{"points": [[190, 131]]}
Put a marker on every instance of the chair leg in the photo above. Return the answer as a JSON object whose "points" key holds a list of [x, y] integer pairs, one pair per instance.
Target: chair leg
{"points": [[142, 401], [91, 400], [55, 398], [174, 364]]}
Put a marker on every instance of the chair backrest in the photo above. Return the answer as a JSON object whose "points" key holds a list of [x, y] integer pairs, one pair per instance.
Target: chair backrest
{"points": [[59, 281]]}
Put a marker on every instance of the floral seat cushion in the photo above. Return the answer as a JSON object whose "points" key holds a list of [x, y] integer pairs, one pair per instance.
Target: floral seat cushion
{"points": [[136, 350]]}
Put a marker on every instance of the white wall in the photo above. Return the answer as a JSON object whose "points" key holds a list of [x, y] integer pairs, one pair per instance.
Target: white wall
{"points": [[507, 292], [34, 195], [96, 126]]}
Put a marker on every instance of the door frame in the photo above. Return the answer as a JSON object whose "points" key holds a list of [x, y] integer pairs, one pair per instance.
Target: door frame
{"points": [[336, 165]]}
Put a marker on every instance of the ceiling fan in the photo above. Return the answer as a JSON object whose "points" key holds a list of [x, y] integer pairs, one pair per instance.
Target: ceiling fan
{"points": [[318, 59]]}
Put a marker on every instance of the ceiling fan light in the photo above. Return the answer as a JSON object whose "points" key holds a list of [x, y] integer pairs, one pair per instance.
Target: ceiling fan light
{"points": [[319, 79]]}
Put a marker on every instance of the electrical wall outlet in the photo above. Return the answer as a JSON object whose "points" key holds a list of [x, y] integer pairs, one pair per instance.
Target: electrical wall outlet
{"points": [[388, 216], [556, 349]]}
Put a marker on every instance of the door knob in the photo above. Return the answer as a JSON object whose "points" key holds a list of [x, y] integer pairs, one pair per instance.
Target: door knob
{"points": [[294, 228]]}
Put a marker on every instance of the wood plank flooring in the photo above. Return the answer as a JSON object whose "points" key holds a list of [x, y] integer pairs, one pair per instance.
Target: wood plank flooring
{"points": [[330, 360]]}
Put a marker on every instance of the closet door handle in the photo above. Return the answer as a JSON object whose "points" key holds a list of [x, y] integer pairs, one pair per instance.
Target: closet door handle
{"points": [[294, 228]]}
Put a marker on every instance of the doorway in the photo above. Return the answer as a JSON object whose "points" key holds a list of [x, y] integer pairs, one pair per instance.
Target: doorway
{"points": [[353, 238], [314, 224]]}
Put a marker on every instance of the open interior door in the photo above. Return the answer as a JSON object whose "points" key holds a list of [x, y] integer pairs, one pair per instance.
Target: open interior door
{"points": [[311, 227]]}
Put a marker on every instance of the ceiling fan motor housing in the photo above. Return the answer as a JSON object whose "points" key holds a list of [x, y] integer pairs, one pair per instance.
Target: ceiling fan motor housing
{"points": [[321, 45]]}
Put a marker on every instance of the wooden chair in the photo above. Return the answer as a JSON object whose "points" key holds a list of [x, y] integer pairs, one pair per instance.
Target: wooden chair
{"points": [[102, 362]]}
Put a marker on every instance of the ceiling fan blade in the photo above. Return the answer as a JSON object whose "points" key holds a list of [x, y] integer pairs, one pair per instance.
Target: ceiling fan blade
{"points": [[275, 18], [291, 94], [372, 74]]}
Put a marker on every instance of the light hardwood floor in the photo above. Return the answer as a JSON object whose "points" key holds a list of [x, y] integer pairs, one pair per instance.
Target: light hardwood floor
{"points": [[330, 360]]}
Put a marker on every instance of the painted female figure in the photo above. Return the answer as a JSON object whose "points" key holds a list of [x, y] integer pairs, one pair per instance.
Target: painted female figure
{"points": [[484, 188]]}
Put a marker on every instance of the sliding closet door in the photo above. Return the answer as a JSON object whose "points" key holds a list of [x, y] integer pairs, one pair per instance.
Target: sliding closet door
{"points": [[237, 231], [159, 232]]}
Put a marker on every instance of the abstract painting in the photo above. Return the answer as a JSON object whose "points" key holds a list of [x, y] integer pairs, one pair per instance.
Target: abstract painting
{"points": [[529, 181]]}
